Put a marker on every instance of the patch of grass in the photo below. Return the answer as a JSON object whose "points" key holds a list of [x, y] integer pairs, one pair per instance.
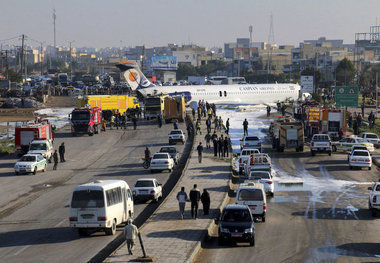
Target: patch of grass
{"points": [[7, 147]]}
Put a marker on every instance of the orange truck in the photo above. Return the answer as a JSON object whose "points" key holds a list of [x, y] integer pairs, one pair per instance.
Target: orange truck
{"points": [[174, 108]]}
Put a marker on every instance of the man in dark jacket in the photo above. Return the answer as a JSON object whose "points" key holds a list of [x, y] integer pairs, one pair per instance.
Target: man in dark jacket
{"points": [[245, 127], [195, 196], [61, 150], [225, 147], [205, 199], [220, 146], [55, 159], [200, 150], [214, 138]]}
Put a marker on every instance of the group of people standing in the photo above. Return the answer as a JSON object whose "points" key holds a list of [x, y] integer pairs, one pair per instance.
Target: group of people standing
{"points": [[195, 196]]}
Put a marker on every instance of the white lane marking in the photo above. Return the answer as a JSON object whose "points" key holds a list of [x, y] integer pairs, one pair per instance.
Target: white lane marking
{"points": [[60, 223], [21, 250]]}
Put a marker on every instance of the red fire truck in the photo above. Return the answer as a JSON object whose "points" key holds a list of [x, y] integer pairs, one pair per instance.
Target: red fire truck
{"points": [[27, 132], [86, 120]]}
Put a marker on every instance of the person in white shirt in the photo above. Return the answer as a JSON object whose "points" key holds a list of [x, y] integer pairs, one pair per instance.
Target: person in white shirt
{"points": [[182, 197]]}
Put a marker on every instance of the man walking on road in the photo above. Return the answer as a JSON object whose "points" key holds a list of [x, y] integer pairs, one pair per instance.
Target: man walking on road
{"points": [[225, 147], [55, 159], [245, 126], [208, 139], [214, 138], [182, 197], [205, 199], [200, 150], [130, 233], [195, 196], [61, 150], [228, 125]]}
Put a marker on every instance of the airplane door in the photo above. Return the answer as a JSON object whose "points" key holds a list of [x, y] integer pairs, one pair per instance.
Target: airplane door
{"points": [[225, 93], [220, 94]]}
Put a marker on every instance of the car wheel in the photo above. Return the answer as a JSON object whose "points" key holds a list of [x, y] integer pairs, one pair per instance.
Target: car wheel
{"points": [[350, 167], [44, 169], [252, 242], [334, 148], [373, 212], [112, 230], [151, 171], [369, 168], [35, 171], [312, 153], [263, 219], [16, 173], [220, 241], [329, 153]]}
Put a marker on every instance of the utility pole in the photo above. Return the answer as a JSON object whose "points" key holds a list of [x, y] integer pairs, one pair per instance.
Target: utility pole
{"points": [[376, 95], [41, 60], [71, 65], [22, 54], [54, 18]]}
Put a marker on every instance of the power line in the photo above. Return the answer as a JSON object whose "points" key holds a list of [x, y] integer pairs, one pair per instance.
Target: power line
{"points": [[3, 40]]}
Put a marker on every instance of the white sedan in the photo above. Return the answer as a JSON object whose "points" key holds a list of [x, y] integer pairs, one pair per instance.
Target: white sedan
{"points": [[161, 161], [30, 163], [346, 144], [147, 189], [266, 180], [360, 158]]}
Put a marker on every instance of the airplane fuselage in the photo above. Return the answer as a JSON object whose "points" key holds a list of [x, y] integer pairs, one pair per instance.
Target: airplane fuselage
{"points": [[230, 94]]}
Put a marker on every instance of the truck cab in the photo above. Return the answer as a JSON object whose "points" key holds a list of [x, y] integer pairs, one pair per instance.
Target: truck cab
{"points": [[43, 147]]}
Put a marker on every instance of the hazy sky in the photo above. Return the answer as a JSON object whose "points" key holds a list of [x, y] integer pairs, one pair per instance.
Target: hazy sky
{"points": [[208, 23]]}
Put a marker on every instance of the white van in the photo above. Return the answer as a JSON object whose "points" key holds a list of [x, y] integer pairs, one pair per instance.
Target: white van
{"points": [[43, 147], [100, 205], [252, 193]]}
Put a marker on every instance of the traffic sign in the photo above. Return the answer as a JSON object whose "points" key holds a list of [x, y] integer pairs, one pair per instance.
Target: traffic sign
{"points": [[347, 96]]}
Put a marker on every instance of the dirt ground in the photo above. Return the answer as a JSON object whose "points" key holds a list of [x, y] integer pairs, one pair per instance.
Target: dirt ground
{"points": [[25, 114]]}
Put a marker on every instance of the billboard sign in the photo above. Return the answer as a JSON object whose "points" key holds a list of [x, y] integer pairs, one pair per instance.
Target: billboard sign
{"points": [[307, 84], [347, 96], [164, 62]]}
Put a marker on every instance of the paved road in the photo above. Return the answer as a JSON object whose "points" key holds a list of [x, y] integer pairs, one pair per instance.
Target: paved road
{"points": [[324, 219], [34, 209]]}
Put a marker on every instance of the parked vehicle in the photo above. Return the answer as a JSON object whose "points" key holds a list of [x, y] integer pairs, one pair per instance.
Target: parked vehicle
{"points": [[30, 163], [147, 189], [320, 143], [43, 147], [346, 144], [121, 103], [360, 158], [265, 178], [86, 121], [236, 224], [258, 162], [371, 137], [172, 151], [374, 198], [287, 133], [356, 147], [252, 193], [244, 157], [176, 136], [251, 142], [161, 161], [154, 106], [174, 109], [25, 133], [100, 205]]}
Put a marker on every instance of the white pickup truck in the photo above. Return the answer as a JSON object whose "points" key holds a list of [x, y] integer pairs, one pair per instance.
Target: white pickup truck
{"points": [[258, 162], [244, 157], [320, 143], [374, 198]]}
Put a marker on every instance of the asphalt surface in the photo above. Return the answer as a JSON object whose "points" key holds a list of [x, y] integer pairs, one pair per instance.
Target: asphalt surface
{"points": [[34, 209], [319, 213]]}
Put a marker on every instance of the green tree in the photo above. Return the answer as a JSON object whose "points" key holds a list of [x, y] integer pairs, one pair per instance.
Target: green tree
{"points": [[367, 80], [14, 76], [345, 72], [185, 70]]}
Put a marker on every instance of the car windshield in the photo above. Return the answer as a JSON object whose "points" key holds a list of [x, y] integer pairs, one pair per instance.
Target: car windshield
{"points": [[372, 136], [359, 148], [38, 146], [251, 138], [160, 156], [28, 158], [144, 183], [250, 195], [87, 199], [176, 132], [260, 174], [360, 153], [321, 138], [236, 215], [377, 187], [168, 150]]}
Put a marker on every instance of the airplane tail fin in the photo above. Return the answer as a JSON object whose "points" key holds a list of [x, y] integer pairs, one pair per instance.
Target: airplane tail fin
{"points": [[134, 76]]}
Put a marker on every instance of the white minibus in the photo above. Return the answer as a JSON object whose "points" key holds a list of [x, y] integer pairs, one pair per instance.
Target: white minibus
{"points": [[100, 205]]}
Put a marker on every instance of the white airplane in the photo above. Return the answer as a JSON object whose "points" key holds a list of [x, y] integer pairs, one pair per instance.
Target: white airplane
{"points": [[218, 94]]}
